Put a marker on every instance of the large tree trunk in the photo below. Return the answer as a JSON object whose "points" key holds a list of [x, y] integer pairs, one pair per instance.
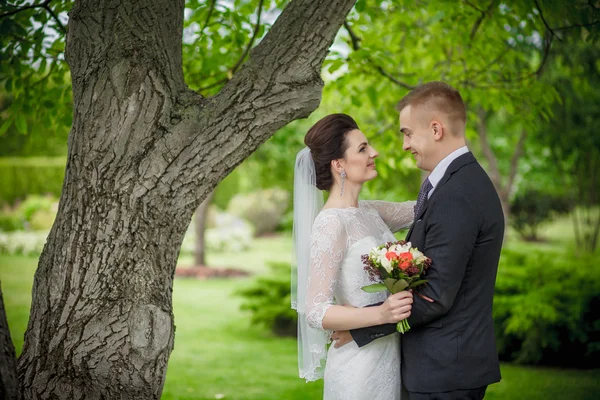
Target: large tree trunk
{"points": [[200, 229], [9, 387], [144, 151]]}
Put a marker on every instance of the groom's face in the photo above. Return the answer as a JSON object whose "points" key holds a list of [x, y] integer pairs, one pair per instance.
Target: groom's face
{"points": [[418, 137]]}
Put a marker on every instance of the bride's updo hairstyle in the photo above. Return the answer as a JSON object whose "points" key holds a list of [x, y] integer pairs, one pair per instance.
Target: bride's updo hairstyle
{"points": [[327, 141]]}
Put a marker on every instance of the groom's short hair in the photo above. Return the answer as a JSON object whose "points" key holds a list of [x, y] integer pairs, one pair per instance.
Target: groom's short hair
{"points": [[438, 96]]}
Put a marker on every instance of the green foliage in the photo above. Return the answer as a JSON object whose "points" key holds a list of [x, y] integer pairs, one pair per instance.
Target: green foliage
{"points": [[532, 207], [268, 299], [264, 209], [36, 213], [35, 90], [218, 36], [23, 176], [10, 221], [569, 142], [546, 309], [33, 205]]}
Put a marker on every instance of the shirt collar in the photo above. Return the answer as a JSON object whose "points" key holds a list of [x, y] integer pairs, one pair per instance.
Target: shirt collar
{"points": [[438, 172]]}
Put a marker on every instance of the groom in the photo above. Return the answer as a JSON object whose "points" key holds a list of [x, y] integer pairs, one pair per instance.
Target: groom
{"points": [[450, 351]]}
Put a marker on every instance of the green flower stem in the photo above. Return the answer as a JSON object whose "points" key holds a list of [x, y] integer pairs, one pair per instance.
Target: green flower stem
{"points": [[403, 326]]}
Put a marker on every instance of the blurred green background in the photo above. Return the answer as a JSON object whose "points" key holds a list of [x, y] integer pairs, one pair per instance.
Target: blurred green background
{"points": [[529, 72]]}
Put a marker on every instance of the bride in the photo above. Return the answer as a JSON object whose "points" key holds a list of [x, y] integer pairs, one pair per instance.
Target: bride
{"points": [[327, 279]]}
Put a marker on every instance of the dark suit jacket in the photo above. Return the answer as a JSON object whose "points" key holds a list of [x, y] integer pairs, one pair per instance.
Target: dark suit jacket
{"points": [[451, 344]]}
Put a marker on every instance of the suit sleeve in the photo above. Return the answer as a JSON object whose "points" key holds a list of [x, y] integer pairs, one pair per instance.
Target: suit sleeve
{"points": [[364, 336], [451, 234]]}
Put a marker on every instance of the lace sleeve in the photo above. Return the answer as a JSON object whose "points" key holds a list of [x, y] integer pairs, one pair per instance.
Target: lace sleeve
{"points": [[395, 215], [328, 248]]}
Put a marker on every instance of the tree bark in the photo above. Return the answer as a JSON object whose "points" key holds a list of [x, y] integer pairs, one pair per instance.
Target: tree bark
{"points": [[9, 386], [200, 228], [504, 189], [144, 151]]}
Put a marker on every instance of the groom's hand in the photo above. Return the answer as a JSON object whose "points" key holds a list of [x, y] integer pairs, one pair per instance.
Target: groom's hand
{"points": [[341, 338]]}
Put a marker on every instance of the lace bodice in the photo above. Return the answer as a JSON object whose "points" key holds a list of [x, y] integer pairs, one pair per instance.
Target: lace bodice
{"points": [[339, 238]]}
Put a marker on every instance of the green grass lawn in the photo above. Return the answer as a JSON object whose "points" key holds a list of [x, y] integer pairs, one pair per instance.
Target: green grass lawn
{"points": [[218, 354]]}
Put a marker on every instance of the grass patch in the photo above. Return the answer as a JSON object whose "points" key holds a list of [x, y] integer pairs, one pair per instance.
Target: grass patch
{"points": [[275, 248], [218, 354]]}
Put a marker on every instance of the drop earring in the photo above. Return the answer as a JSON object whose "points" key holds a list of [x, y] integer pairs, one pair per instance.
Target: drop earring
{"points": [[343, 174]]}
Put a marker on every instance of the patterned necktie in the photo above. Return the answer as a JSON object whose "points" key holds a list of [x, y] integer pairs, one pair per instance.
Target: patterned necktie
{"points": [[423, 192]]}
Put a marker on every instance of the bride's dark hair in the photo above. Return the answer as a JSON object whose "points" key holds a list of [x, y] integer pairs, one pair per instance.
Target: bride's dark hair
{"points": [[327, 141]]}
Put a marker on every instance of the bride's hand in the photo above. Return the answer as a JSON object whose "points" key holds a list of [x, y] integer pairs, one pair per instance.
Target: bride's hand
{"points": [[396, 307]]}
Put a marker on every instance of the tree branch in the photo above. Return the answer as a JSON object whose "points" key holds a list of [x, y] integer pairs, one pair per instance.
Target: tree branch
{"points": [[487, 150], [385, 74], [356, 46], [252, 39], [29, 7], [279, 82], [45, 5], [207, 20], [473, 6], [514, 162], [355, 39], [548, 45], [239, 62], [215, 84], [481, 18], [56, 19], [562, 28], [537, 6]]}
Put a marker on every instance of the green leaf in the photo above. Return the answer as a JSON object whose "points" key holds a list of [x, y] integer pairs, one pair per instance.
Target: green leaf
{"points": [[389, 283], [399, 286], [4, 127], [360, 5], [417, 283], [21, 122], [374, 288], [372, 93], [384, 273]]}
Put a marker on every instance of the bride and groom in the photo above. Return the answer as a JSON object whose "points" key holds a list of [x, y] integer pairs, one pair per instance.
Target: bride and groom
{"points": [[457, 221]]}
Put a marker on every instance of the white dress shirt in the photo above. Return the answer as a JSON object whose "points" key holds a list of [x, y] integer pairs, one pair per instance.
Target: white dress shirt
{"points": [[438, 172]]}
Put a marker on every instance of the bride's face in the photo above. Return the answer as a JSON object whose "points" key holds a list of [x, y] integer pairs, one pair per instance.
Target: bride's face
{"points": [[359, 159]]}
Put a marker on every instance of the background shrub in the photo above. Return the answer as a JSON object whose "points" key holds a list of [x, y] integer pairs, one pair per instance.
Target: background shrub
{"points": [[264, 209], [35, 213], [224, 232], [547, 309], [10, 221], [533, 207], [268, 300], [22, 243], [30, 175]]}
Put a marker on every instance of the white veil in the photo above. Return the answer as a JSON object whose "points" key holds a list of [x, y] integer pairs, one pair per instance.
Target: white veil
{"points": [[308, 201]]}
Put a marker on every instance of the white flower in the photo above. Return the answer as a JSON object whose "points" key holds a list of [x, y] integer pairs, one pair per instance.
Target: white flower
{"points": [[404, 248], [395, 248], [417, 255], [386, 264]]}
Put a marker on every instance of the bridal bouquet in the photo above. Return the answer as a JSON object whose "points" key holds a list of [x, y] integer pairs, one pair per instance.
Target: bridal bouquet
{"points": [[396, 266]]}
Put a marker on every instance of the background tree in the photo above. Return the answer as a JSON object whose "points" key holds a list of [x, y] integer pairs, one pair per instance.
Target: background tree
{"points": [[9, 386], [492, 51], [144, 151], [570, 143]]}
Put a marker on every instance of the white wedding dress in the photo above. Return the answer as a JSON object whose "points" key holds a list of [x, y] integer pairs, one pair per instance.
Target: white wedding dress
{"points": [[339, 238]]}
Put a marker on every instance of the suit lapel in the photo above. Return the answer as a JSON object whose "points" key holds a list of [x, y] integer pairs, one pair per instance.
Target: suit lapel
{"points": [[454, 166]]}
